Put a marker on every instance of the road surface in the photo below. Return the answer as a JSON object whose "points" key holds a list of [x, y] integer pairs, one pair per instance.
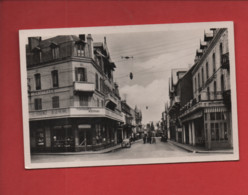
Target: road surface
{"points": [[138, 150]]}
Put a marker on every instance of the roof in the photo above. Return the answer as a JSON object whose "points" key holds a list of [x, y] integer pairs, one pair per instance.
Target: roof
{"points": [[58, 40], [174, 74]]}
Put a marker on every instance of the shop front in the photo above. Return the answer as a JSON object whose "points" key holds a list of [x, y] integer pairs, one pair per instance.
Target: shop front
{"points": [[74, 134], [208, 127]]}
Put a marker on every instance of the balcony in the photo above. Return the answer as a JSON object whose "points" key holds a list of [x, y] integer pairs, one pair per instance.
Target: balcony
{"points": [[225, 64], [206, 104], [84, 87], [111, 101], [75, 112], [175, 104]]}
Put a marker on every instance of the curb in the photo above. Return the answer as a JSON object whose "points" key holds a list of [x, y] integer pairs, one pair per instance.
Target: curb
{"points": [[199, 151]]}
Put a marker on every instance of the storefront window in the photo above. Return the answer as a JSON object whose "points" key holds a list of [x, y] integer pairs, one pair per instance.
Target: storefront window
{"points": [[40, 138], [219, 131]]}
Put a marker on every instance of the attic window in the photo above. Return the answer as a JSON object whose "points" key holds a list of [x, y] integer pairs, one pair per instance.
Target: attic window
{"points": [[55, 51], [37, 55], [80, 49]]}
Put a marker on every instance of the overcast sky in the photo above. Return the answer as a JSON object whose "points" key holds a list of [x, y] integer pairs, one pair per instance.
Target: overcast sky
{"points": [[154, 56]]}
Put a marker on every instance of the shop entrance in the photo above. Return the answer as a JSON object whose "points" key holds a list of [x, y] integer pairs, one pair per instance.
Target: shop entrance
{"points": [[62, 139], [199, 132], [40, 139], [85, 137]]}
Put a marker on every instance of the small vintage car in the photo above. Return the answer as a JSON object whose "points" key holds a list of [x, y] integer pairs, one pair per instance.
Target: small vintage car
{"points": [[126, 143]]}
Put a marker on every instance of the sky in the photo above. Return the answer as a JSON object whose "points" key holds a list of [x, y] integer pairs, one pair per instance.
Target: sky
{"points": [[154, 54]]}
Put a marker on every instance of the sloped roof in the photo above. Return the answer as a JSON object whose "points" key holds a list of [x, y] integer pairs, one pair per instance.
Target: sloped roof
{"points": [[58, 40], [174, 74]]}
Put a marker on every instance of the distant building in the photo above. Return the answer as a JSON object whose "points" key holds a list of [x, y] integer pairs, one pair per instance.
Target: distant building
{"points": [[138, 121], [206, 119], [74, 105], [175, 95], [128, 120]]}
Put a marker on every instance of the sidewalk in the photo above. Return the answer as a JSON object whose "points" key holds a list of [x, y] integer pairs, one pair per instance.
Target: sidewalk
{"points": [[195, 149], [106, 150]]}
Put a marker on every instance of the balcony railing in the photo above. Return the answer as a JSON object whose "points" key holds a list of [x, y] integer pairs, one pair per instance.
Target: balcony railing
{"points": [[225, 61], [84, 87], [112, 99], [75, 112]]}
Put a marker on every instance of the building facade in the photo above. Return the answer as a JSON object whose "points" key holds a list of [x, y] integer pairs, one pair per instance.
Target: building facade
{"points": [[206, 118], [74, 105], [175, 95]]}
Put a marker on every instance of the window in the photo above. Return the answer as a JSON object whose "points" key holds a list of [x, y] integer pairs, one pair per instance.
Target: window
{"points": [[222, 83], [199, 81], [55, 100], [98, 104], [83, 100], [55, 52], [80, 74], [80, 50], [37, 81], [195, 84], [221, 51], [212, 116], [38, 104], [215, 135], [205, 116], [207, 70], [101, 84], [55, 78], [215, 90], [97, 85], [202, 76], [208, 93], [214, 63], [219, 131]]}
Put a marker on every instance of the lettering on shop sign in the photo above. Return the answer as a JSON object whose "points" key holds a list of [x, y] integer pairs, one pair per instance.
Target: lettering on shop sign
{"points": [[94, 110], [59, 111], [43, 92]]}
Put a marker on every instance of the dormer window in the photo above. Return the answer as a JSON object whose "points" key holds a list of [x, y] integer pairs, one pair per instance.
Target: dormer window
{"points": [[55, 51], [37, 55], [80, 48]]}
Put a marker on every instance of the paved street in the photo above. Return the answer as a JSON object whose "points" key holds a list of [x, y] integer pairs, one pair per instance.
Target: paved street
{"points": [[138, 150]]}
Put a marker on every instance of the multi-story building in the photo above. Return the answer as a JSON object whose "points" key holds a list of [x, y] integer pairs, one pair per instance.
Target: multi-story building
{"points": [[175, 103], [138, 121], [206, 119], [74, 105], [128, 118]]}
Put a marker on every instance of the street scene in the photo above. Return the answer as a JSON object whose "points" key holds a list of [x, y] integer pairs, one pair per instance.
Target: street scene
{"points": [[132, 95]]}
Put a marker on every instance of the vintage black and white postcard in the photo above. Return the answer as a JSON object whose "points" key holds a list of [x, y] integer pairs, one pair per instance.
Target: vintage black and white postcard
{"points": [[125, 95]]}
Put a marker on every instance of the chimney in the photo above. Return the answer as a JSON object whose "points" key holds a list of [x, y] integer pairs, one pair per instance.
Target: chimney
{"points": [[105, 41], [33, 42], [90, 44], [82, 37]]}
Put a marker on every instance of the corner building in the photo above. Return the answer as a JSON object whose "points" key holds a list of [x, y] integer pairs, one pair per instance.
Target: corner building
{"points": [[74, 105], [207, 119]]}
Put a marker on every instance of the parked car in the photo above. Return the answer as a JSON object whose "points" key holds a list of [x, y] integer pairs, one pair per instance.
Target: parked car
{"points": [[126, 143]]}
